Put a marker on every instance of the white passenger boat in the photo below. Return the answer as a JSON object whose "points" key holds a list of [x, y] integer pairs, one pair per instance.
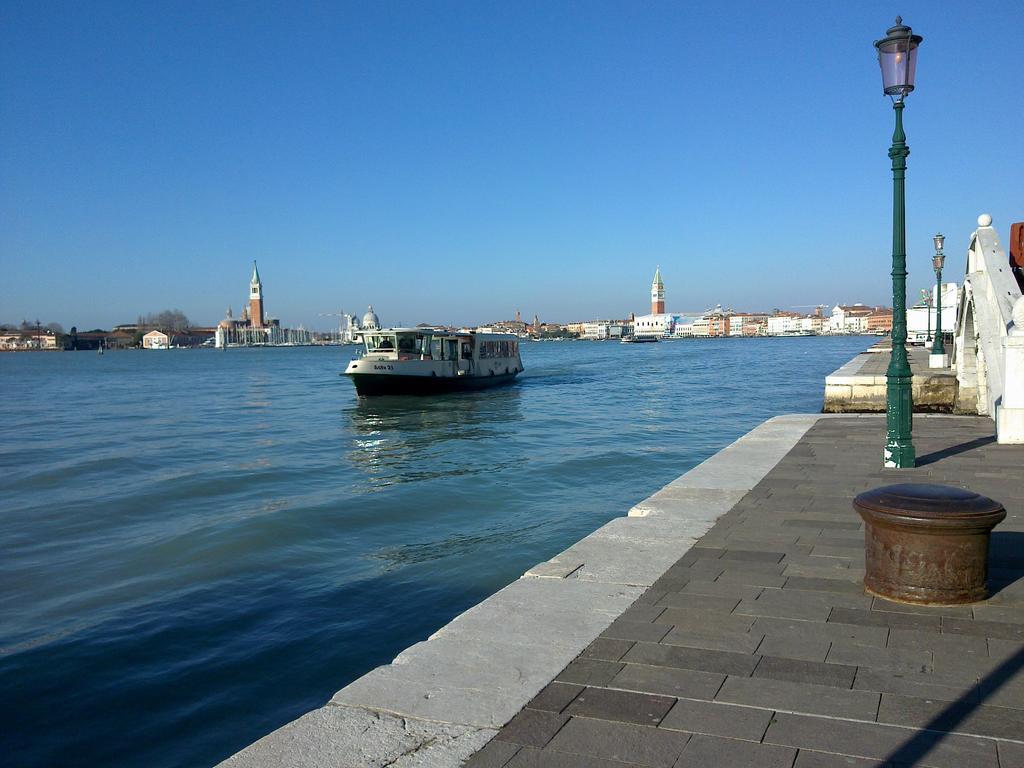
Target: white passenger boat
{"points": [[426, 361]]}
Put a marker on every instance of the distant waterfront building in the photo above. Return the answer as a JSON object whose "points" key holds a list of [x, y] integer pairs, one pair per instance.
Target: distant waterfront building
{"points": [[748, 324], [156, 340], [880, 322], [23, 340], [849, 318], [783, 324]]}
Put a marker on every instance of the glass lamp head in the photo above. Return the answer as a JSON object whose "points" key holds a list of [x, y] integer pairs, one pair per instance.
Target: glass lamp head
{"points": [[939, 240], [897, 56], [938, 260]]}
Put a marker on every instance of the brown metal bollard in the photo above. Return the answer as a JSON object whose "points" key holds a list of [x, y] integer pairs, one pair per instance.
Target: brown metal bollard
{"points": [[927, 544]]}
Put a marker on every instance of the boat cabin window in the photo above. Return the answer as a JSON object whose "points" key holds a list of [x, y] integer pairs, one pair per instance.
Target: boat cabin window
{"points": [[406, 342], [423, 344], [377, 342], [497, 349]]}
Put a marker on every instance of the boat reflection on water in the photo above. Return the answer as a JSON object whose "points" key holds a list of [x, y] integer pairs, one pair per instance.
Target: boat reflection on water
{"points": [[400, 439]]}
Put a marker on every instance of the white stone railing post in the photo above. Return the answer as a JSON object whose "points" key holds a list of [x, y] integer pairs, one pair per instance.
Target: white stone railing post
{"points": [[1010, 412]]}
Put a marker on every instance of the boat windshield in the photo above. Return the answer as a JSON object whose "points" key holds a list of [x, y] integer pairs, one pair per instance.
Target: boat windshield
{"points": [[380, 342], [406, 344]]}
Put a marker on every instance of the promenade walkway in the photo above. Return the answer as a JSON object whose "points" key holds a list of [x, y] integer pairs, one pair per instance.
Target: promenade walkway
{"points": [[759, 646]]}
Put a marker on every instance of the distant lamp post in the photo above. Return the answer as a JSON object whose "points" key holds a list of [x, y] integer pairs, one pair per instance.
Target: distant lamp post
{"points": [[897, 57], [938, 358]]}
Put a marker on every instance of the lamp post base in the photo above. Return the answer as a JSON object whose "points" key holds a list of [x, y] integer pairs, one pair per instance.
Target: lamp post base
{"points": [[938, 361]]}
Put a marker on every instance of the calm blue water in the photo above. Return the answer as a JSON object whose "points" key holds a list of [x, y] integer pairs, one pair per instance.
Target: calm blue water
{"points": [[199, 546]]}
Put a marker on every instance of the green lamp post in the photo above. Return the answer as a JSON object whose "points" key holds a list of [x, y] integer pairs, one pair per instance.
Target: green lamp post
{"points": [[938, 348], [897, 57]]}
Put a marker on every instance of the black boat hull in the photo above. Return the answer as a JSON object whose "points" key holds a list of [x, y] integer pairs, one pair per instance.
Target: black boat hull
{"points": [[370, 384]]}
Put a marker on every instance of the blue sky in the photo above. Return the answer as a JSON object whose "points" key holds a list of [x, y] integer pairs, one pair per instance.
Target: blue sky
{"points": [[455, 162]]}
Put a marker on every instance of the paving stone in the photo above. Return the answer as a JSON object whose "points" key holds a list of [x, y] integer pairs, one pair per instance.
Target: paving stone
{"points": [[898, 659], [495, 754], [668, 681], [780, 604], [650, 597], [855, 554], [706, 553], [824, 524], [824, 585], [703, 751], [830, 572], [959, 645], [724, 662], [532, 727], [799, 697], [717, 719], [997, 648], [638, 612], [751, 577], [873, 740], [554, 697], [529, 757], [953, 611], [607, 648], [883, 619], [589, 672], [690, 620], [808, 759], [830, 631], [688, 602], [639, 744], [997, 629], [635, 630], [706, 569], [806, 648], [812, 672], [1002, 694], [721, 589], [927, 685], [1008, 614], [958, 716], [624, 706], [1011, 755], [718, 640]]}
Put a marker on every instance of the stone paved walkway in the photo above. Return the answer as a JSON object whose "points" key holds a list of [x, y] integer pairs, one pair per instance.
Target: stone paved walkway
{"points": [[759, 646], [877, 363]]}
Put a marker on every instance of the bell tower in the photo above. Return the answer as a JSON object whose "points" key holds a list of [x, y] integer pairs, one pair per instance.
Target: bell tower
{"points": [[256, 298], [657, 294]]}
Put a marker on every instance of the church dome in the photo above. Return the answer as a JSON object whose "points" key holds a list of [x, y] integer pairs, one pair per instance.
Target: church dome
{"points": [[370, 319]]}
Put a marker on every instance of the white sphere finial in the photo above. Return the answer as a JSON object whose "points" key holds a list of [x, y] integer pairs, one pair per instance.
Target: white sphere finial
{"points": [[984, 220]]}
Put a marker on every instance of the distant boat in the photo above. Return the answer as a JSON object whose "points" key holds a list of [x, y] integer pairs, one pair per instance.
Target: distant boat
{"points": [[638, 339]]}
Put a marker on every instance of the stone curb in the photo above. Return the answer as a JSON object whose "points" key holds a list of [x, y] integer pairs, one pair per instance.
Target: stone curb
{"points": [[441, 700]]}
